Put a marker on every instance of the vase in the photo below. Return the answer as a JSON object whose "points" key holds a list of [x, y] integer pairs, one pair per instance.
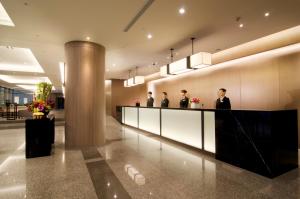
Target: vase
{"points": [[195, 105]]}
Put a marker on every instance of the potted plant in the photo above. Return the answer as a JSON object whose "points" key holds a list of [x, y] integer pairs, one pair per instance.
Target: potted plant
{"points": [[41, 106], [195, 103]]}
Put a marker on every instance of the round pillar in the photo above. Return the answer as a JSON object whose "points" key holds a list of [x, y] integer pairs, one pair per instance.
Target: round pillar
{"points": [[84, 94]]}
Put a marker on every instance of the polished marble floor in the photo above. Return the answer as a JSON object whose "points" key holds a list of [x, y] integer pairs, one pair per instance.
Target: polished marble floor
{"points": [[131, 165]]}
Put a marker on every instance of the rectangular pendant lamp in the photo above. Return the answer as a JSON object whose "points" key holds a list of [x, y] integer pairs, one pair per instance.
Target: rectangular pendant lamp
{"points": [[139, 80], [180, 66], [164, 71], [130, 82], [200, 60], [126, 83], [134, 81]]}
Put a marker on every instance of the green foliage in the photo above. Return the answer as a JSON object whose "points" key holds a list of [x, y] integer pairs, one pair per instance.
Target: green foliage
{"points": [[43, 91]]}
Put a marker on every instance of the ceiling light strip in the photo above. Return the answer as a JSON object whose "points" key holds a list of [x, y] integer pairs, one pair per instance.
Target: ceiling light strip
{"points": [[4, 17], [24, 79], [62, 72]]}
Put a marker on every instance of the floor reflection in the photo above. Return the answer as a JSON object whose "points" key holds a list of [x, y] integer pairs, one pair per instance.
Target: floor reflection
{"points": [[173, 171], [62, 175], [164, 170]]}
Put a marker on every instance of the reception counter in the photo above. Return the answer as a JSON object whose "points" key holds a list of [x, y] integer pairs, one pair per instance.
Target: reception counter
{"points": [[264, 142]]}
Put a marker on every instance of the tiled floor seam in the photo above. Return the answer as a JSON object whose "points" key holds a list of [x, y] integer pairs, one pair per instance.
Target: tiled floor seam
{"points": [[105, 182]]}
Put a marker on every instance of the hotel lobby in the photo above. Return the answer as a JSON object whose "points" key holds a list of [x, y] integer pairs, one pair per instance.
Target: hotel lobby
{"points": [[149, 99]]}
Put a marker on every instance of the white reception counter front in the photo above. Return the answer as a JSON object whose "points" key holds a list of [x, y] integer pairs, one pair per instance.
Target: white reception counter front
{"points": [[195, 128]]}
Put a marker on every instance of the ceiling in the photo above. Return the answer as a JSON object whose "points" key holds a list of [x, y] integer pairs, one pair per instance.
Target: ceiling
{"points": [[44, 27]]}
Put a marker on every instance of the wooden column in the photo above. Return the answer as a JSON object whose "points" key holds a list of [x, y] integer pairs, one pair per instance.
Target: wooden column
{"points": [[84, 94]]}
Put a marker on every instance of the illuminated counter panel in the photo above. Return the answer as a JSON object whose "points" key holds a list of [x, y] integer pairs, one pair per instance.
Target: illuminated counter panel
{"points": [[264, 142], [131, 116], [149, 120], [209, 131], [182, 125], [123, 114]]}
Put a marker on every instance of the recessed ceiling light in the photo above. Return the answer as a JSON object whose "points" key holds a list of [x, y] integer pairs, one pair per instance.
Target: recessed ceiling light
{"points": [[24, 79], [267, 14], [241, 25], [107, 70], [14, 59], [31, 87], [149, 36], [181, 11], [88, 38], [114, 65], [62, 72], [4, 17]]}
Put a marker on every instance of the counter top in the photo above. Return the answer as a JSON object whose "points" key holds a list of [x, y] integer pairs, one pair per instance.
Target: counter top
{"points": [[204, 109]]}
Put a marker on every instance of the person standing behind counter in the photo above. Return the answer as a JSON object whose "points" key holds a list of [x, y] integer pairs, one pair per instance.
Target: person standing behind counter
{"points": [[184, 102], [165, 101], [223, 102], [150, 99]]}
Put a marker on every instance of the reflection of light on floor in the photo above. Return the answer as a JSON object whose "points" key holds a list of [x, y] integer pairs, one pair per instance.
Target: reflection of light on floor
{"points": [[9, 159], [134, 174], [14, 188], [63, 139], [21, 147], [63, 157], [107, 155], [12, 157]]}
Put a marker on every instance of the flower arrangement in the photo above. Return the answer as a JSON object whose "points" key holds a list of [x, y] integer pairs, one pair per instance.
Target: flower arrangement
{"points": [[195, 100], [41, 106]]}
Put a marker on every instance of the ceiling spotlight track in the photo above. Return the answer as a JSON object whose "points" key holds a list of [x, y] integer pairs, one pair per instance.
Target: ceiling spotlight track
{"points": [[147, 4]]}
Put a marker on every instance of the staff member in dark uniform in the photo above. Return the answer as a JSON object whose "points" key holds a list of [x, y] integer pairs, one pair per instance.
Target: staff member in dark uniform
{"points": [[184, 102], [222, 102], [150, 100], [165, 102]]}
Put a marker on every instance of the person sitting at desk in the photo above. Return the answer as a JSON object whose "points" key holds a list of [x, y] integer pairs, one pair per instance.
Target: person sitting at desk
{"points": [[184, 102], [222, 102], [150, 99], [165, 102]]}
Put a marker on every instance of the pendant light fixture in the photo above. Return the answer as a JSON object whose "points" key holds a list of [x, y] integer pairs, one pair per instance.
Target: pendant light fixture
{"points": [[126, 81], [194, 61], [199, 60], [138, 79], [164, 70], [180, 66], [133, 81]]}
